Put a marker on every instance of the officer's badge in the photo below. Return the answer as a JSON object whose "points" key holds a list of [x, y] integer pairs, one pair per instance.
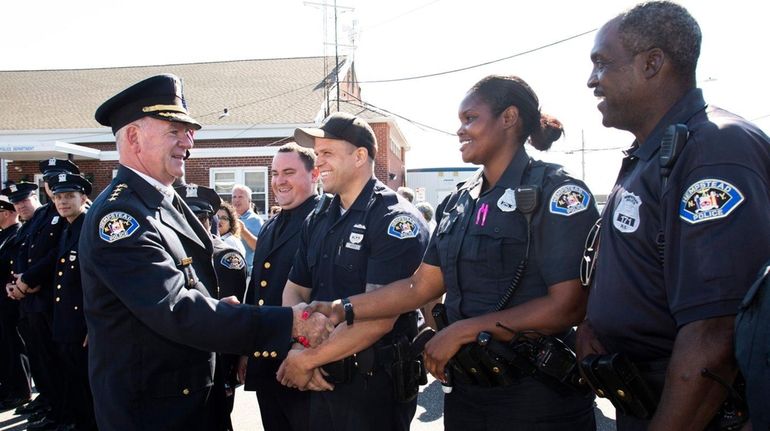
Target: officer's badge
{"points": [[73, 256], [117, 225], [626, 215], [52, 162], [507, 202], [709, 199], [13, 188], [54, 219], [356, 237], [568, 200], [403, 227], [232, 260], [192, 191]]}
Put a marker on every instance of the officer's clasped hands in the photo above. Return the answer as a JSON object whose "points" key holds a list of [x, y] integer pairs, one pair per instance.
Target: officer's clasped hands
{"points": [[313, 328]]}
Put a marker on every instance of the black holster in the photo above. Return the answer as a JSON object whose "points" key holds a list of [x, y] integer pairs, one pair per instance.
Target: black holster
{"points": [[406, 370], [616, 378]]}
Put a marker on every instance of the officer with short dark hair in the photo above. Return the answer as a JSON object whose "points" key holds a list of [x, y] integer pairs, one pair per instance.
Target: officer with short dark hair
{"points": [[686, 227], [70, 194], [363, 238], [293, 178]]}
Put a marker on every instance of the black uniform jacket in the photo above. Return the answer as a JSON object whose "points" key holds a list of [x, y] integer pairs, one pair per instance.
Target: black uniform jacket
{"points": [[272, 261], [69, 324], [152, 324], [9, 247], [37, 256]]}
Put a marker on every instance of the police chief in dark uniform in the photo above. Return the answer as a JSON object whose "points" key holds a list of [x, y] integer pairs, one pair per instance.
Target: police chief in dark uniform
{"points": [[365, 237], [679, 245], [506, 268], [147, 271], [230, 271], [14, 366], [70, 196], [293, 180]]}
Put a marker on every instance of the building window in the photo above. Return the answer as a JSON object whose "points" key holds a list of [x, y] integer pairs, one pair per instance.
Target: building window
{"points": [[223, 179], [394, 148]]}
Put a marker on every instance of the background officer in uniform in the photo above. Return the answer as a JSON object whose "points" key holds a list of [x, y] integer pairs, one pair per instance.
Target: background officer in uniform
{"points": [[476, 252], [676, 255], [14, 367], [34, 272], [230, 270], [293, 180], [70, 196], [147, 270], [366, 237]]}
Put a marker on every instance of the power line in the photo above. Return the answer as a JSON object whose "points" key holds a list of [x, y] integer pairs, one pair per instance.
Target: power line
{"points": [[367, 105], [518, 54]]}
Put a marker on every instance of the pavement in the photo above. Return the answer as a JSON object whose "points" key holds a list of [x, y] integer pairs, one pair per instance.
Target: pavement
{"points": [[429, 416]]}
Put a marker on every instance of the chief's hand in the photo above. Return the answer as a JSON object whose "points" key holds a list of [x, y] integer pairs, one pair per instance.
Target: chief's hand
{"points": [[12, 292], [440, 349], [586, 342], [333, 310], [294, 371], [314, 327]]}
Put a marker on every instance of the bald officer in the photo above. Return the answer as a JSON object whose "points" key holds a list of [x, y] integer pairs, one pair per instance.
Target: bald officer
{"points": [[148, 276]]}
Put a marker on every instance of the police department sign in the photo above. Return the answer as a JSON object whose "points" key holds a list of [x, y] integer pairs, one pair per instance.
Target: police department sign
{"points": [[709, 199]]}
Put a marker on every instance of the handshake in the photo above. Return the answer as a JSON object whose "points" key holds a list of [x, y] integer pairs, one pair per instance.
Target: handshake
{"points": [[310, 328]]}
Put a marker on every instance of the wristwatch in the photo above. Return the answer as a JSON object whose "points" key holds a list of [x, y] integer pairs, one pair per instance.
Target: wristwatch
{"points": [[348, 307]]}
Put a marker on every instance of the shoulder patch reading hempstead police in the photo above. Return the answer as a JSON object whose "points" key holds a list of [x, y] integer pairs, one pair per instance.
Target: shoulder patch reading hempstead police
{"points": [[709, 199], [117, 225], [232, 260], [568, 200], [403, 227]]}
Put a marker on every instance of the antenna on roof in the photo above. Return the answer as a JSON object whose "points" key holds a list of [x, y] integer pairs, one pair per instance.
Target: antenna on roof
{"points": [[225, 113]]}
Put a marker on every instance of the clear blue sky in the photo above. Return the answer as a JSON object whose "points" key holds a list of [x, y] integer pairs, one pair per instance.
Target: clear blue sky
{"points": [[401, 38]]}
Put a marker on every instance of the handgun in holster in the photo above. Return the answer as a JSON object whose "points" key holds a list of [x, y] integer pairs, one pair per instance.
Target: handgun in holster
{"points": [[616, 378], [406, 370]]}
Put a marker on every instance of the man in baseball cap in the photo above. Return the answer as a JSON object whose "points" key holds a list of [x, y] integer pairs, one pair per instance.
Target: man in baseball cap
{"points": [[342, 126]]}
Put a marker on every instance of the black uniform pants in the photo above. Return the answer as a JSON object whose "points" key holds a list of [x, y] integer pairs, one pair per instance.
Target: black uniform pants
{"points": [[528, 405], [366, 403], [44, 358], [282, 408], [222, 397], [14, 365], [78, 402]]}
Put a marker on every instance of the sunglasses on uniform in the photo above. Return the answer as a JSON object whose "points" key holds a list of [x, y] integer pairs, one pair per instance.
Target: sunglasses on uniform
{"points": [[588, 263]]}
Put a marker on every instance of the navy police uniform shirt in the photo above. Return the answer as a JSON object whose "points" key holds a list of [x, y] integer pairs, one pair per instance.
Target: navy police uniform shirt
{"points": [[152, 324], [69, 323], [482, 237], [379, 239], [230, 269], [711, 220]]}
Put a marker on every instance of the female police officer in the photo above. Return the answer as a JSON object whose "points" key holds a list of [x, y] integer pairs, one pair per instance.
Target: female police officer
{"points": [[482, 242]]}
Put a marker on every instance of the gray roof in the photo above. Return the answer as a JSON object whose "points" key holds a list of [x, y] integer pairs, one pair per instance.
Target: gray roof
{"points": [[274, 91]]}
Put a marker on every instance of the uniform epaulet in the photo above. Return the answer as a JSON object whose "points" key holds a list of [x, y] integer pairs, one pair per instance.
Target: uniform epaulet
{"points": [[117, 191]]}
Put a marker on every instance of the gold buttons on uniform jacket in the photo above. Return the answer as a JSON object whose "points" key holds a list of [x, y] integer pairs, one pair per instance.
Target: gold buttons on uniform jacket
{"points": [[62, 260], [273, 354], [263, 283], [261, 302], [58, 299], [256, 354], [186, 391], [60, 273], [265, 354], [267, 265], [58, 286]]}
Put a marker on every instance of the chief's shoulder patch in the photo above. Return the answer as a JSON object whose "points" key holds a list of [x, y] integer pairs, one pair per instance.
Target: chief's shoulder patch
{"points": [[709, 199], [403, 227], [568, 200], [117, 225], [232, 260]]}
